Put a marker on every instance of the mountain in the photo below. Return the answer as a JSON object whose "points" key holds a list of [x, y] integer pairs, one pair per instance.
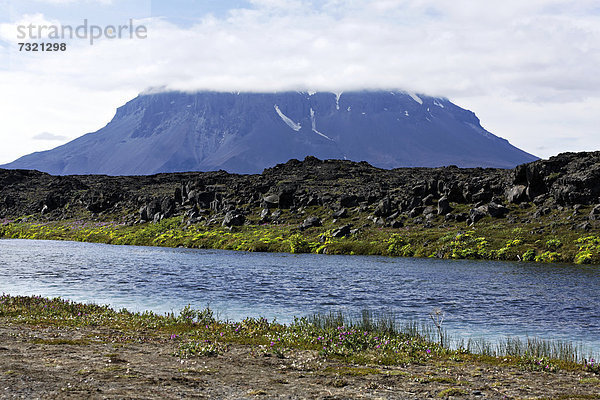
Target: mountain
{"points": [[248, 132]]}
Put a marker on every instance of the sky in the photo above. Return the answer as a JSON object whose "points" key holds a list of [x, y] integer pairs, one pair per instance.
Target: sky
{"points": [[528, 69]]}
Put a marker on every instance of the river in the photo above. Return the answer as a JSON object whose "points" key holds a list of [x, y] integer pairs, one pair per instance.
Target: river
{"points": [[480, 299]]}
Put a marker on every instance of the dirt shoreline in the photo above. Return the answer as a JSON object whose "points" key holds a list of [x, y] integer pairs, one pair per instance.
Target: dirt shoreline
{"points": [[52, 362]]}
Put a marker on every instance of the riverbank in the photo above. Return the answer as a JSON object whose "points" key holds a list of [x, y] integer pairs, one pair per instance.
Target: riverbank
{"points": [[55, 348], [545, 211], [544, 241]]}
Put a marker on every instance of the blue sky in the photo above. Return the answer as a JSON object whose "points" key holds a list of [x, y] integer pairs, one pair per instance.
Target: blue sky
{"points": [[527, 69], [181, 12]]}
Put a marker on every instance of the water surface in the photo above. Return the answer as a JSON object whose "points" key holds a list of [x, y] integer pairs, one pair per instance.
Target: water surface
{"points": [[480, 298]]}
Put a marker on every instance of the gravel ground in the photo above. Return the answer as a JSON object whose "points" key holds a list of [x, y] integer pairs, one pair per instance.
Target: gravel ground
{"points": [[57, 363]]}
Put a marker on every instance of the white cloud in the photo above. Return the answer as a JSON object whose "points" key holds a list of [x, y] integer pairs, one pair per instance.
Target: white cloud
{"points": [[49, 136], [65, 2], [9, 31], [523, 67]]}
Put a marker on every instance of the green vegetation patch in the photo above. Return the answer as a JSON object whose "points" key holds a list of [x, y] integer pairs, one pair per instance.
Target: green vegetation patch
{"points": [[487, 240], [368, 340]]}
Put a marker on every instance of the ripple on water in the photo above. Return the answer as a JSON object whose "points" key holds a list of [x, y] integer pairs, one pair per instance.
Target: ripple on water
{"points": [[488, 299]]}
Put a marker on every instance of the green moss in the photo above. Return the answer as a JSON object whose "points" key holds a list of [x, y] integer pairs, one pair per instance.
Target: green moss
{"points": [[529, 255], [196, 333], [546, 241]]}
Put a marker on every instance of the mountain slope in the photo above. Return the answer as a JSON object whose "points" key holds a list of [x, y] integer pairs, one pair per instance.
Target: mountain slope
{"points": [[247, 132]]}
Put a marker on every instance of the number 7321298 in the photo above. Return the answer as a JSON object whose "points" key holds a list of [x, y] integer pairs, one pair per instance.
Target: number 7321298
{"points": [[42, 46]]}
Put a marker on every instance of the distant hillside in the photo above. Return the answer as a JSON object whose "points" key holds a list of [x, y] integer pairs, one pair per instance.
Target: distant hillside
{"points": [[248, 132]]}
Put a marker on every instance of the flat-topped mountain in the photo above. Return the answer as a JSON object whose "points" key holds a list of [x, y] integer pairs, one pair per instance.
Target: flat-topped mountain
{"points": [[248, 132]]}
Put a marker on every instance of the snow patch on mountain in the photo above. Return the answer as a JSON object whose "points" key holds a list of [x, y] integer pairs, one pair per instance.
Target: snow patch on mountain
{"points": [[314, 125], [337, 100], [416, 98], [295, 126], [238, 132]]}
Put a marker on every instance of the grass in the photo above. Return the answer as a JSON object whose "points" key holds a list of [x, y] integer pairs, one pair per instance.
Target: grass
{"points": [[366, 340], [550, 239]]}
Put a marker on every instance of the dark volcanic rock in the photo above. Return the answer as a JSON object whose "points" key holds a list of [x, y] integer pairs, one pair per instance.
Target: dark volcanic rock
{"points": [[396, 224], [478, 213], [348, 201], [310, 222], [167, 207], [568, 180], [384, 208], [234, 218], [341, 232], [415, 212], [271, 201], [595, 213], [429, 210], [516, 194], [497, 210], [444, 206], [428, 200], [341, 213]]}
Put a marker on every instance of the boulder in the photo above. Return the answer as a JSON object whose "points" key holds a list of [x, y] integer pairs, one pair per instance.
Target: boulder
{"points": [[167, 207], [264, 215], [203, 199], [96, 203], [534, 173], [461, 217], [233, 218], [286, 196], [276, 214], [478, 213], [310, 222], [454, 193], [341, 213], [396, 224], [429, 210], [497, 210], [178, 196], [444, 206], [428, 200], [313, 200], [191, 214], [342, 232], [144, 213], [516, 194], [384, 208], [379, 221], [348, 201], [482, 196], [541, 212], [415, 212], [595, 213], [152, 209], [271, 201]]}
